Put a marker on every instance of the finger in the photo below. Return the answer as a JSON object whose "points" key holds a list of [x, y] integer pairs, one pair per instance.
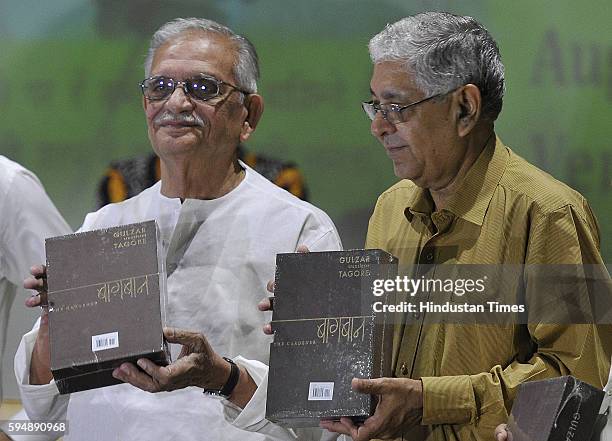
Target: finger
{"points": [[267, 329], [38, 271], [33, 301], [372, 387], [265, 304], [128, 373], [337, 427], [270, 286], [302, 249], [156, 372], [371, 428], [354, 430], [34, 283]]}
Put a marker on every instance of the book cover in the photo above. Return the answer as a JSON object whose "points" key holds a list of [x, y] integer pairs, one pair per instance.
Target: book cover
{"points": [[556, 409], [105, 292], [326, 333]]}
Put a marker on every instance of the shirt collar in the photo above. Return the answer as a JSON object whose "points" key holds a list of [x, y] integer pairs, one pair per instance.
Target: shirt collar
{"points": [[475, 192]]}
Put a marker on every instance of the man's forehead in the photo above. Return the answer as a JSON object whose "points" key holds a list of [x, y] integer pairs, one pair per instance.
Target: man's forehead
{"points": [[392, 93], [391, 80], [197, 51]]}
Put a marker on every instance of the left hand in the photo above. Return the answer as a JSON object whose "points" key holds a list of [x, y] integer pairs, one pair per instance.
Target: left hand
{"points": [[400, 406], [197, 365]]}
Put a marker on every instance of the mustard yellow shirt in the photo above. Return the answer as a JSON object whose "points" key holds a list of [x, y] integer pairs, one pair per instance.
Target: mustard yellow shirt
{"points": [[506, 211]]}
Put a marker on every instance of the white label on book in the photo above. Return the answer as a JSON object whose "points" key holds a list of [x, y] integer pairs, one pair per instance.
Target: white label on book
{"points": [[105, 341], [321, 392]]}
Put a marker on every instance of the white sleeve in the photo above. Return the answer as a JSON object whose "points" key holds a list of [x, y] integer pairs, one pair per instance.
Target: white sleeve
{"points": [[253, 417], [330, 241], [89, 223], [319, 233], [32, 218], [41, 402]]}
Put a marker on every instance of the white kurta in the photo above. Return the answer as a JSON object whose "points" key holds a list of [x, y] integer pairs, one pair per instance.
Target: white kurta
{"points": [[219, 256], [253, 416], [27, 217]]}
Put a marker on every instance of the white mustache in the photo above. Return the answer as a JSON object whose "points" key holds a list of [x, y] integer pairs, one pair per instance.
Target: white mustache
{"points": [[180, 118]]}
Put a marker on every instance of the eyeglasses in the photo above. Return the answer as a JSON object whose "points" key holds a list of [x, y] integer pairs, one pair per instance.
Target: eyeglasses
{"points": [[393, 112], [202, 88]]}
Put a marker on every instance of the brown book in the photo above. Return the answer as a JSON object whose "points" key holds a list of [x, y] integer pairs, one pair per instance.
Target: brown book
{"points": [[556, 409], [326, 333], [104, 297]]}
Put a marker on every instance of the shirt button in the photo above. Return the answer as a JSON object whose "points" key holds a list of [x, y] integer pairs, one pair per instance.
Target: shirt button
{"points": [[404, 369]]}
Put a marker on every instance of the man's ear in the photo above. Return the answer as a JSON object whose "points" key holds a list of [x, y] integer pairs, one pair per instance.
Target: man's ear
{"points": [[254, 105], [468, 108]]}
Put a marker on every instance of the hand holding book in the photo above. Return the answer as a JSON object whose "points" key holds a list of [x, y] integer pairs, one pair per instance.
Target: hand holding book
{"points": [[40, 370], [197, 365], [400, 405]]}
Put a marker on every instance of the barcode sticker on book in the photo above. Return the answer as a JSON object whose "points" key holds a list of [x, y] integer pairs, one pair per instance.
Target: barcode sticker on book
{"points": [[321, 392], [105, 341]]}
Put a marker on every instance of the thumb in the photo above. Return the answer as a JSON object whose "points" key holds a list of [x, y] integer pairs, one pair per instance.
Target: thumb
{"points": [[174, 335], [365, 386]]}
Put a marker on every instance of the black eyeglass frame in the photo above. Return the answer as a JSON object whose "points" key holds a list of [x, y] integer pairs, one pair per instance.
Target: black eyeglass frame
{"points": [[394, 109], [187, 86]]}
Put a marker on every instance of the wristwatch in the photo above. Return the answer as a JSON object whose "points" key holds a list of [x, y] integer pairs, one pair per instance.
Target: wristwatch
{"points": [[229, 386]]}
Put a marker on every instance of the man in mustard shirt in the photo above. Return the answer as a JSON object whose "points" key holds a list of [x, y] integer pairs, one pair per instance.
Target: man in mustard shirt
{"points": [[465, 198]]}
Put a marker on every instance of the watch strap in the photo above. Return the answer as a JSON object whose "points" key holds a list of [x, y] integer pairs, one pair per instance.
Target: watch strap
{"points": [[230, 384]]}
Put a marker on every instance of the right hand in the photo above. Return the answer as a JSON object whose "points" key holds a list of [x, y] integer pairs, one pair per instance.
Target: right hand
{"points": [[40, 366]]}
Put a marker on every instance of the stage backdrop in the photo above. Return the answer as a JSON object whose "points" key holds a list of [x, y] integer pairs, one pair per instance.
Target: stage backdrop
{"points": [[70, 101], [69, 73]]}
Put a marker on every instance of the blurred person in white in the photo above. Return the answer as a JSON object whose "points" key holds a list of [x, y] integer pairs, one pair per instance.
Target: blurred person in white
{"points": [[221, 224], [27, 217]]}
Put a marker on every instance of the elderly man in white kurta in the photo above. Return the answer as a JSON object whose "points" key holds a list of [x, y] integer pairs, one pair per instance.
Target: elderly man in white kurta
{"points": [[221, 226]]}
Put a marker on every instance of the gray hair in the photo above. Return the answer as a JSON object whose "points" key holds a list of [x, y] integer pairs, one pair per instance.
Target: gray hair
{"points": [[445, 51], [246, 67]]}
